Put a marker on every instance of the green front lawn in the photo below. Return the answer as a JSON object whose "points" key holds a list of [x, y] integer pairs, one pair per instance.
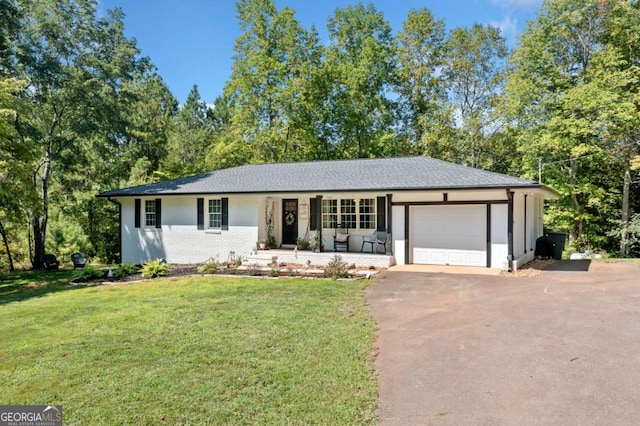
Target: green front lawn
{"points": [[189, 350]]}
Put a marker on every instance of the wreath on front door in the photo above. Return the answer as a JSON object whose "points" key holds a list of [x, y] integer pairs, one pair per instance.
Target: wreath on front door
{"points": [[289, 218]]}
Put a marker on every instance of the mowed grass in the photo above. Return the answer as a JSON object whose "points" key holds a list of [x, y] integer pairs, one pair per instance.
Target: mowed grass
{"points": [[189, 350]]}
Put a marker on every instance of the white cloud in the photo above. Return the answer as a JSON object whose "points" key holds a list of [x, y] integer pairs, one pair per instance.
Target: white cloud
{"points": [[508, 26]]}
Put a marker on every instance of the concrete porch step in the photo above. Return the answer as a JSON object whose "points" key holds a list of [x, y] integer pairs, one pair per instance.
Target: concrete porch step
{"points": [[261, 259]]}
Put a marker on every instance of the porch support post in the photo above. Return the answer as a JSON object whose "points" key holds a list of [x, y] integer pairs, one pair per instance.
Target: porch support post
{"points": [[510, 227], [525, 223], [406, 234], [389, 220], [389, 212], [319, 219], [488, 235]]}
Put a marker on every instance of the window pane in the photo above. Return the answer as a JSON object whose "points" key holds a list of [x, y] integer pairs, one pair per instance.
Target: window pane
{"points": [[329, 213], [348, 213], [368, 213], [150, 213], [215, 213]]}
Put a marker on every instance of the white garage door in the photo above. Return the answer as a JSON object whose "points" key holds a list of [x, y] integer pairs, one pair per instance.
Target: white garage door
{"points": [[449, 235]]}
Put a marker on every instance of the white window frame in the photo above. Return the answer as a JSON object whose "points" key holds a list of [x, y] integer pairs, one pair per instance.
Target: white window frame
{"points": [[329, 213], [349, 212], [150, 214], [336, 210], [213, 215], [367, 211]]}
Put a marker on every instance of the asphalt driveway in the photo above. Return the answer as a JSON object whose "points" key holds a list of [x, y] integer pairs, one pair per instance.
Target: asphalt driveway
{"points": [[561, 348]]}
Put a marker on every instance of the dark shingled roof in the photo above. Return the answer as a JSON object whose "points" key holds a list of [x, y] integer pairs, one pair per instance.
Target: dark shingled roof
{"points": [[382, 174]]}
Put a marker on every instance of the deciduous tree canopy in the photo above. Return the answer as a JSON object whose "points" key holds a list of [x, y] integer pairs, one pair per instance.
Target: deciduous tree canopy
{"points": [[82, 111]]}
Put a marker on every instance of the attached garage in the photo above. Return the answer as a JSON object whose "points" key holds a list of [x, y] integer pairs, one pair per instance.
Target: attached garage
{"points": [[448, 235]]}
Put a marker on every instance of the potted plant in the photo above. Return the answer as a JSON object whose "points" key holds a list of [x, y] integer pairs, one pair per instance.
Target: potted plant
{"points": [[271, 241], [302, 244], [314, 243]]}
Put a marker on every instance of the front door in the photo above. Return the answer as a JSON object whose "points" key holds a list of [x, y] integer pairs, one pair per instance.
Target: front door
{"points": [[289, 221]]}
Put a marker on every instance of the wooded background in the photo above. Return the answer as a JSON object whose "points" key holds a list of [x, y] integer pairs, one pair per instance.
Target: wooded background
{"points": [[82, 110]]}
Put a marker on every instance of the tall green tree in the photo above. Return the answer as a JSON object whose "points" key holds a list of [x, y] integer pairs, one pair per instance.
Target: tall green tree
{"points": [[74, 64], [225, 150], [274, 59], [474, 75], [189, 139], [9, 27], [359, 71], [17, 196], [573, 96], [151, 112], [620, 65], [420, 85]]}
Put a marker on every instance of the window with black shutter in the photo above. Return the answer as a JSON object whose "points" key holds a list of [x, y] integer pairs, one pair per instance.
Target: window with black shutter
{"points": [[381, 218], [200, 214], [225, 214], [137, 212], [313, 214], [158, 213]]}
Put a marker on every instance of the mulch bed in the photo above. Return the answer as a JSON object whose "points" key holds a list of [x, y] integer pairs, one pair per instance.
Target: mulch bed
{"points": [[176, 270], [531, 269]]}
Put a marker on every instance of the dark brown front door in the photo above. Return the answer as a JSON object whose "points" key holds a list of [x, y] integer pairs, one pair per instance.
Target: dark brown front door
{"points": [[289, 221]]}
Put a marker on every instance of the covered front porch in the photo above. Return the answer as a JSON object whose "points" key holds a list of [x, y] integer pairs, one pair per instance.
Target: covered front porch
{"points": [[315, 220], [310, 258]]}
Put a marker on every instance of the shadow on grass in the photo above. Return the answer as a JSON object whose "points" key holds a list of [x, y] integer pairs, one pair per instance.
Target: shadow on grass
{"points": [[24, 285]]}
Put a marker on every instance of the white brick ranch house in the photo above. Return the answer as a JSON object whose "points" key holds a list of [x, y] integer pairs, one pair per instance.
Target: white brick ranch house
{"points": [[435, 212]]}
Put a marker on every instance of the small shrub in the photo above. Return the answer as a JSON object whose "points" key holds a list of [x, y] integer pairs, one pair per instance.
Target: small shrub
{"points": [[125, 269], [239, 261], [274, 272], [155, 268], [208, 268], [336, 268], [89, 273], [253, 270]]}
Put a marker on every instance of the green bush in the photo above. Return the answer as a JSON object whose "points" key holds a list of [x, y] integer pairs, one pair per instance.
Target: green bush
{"points": [[125, 269], [88, 273], [253, 270], [155, 268], [208, 268], [274, 272], [336, 268]]}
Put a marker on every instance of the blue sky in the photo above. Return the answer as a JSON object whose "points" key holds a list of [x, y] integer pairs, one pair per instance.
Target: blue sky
{"points": [[191, 41]]}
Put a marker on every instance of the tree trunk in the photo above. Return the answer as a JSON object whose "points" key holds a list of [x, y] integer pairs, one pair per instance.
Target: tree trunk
{"points": [[38, 245], [624, 220], [39, 223], [6, 246]]}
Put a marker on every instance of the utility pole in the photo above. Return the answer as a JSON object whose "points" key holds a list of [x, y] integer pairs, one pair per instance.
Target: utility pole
{"points": [[540, 171]]}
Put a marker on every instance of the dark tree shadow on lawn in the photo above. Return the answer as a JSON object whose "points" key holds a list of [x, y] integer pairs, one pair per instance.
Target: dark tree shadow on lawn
{"points": [[25, 285]]}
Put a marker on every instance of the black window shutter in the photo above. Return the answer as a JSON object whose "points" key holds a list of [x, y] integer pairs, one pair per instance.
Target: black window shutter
{"points": [[313, 211], [137, 213], [200, 213], [158, 213], [225, 214], [381, 215]]}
